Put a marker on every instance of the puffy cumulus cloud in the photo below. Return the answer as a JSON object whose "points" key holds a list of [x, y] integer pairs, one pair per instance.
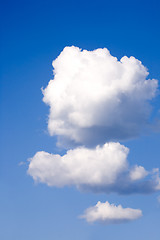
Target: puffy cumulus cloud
{"points": [[110, 214], [95, 98], [80, 166], [102, 169]]}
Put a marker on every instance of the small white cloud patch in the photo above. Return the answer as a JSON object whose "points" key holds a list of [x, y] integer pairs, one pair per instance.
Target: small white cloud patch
{"points": [[110, 214], [138, 172]]}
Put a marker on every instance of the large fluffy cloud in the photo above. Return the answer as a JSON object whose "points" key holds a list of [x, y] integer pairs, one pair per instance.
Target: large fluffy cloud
{"points": [[109, 213], [102, 169], [94, 97]]}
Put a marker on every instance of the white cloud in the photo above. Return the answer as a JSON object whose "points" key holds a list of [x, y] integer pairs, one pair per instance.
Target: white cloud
{"points": [[102, 169], [158, 199], [138, 172], [110, 214], [80, 166], [95, 98]]}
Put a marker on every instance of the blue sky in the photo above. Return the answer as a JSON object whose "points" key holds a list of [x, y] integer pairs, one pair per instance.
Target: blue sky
{"points": [[33, 34]]}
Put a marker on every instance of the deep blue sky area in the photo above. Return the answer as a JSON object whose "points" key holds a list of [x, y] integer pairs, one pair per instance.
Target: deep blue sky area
{"points": [[33, 33]]}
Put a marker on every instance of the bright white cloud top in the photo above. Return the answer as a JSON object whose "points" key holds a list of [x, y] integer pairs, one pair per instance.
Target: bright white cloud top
{"points": [[102, 169], [110, 214], [95, 98]]}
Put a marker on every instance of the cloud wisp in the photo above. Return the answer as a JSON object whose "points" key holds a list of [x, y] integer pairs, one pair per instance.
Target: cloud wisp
{"points": [[102, 169], [107, 213], [94, 98]]}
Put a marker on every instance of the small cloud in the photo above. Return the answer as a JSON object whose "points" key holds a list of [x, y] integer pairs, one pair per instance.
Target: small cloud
{"points": [[138, 172], [110, 214], [21, 163], [158, 199], [102, 169]]}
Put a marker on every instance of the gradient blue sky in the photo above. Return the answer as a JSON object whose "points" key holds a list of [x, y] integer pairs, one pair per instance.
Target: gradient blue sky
{"points": [[33, 33]]}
